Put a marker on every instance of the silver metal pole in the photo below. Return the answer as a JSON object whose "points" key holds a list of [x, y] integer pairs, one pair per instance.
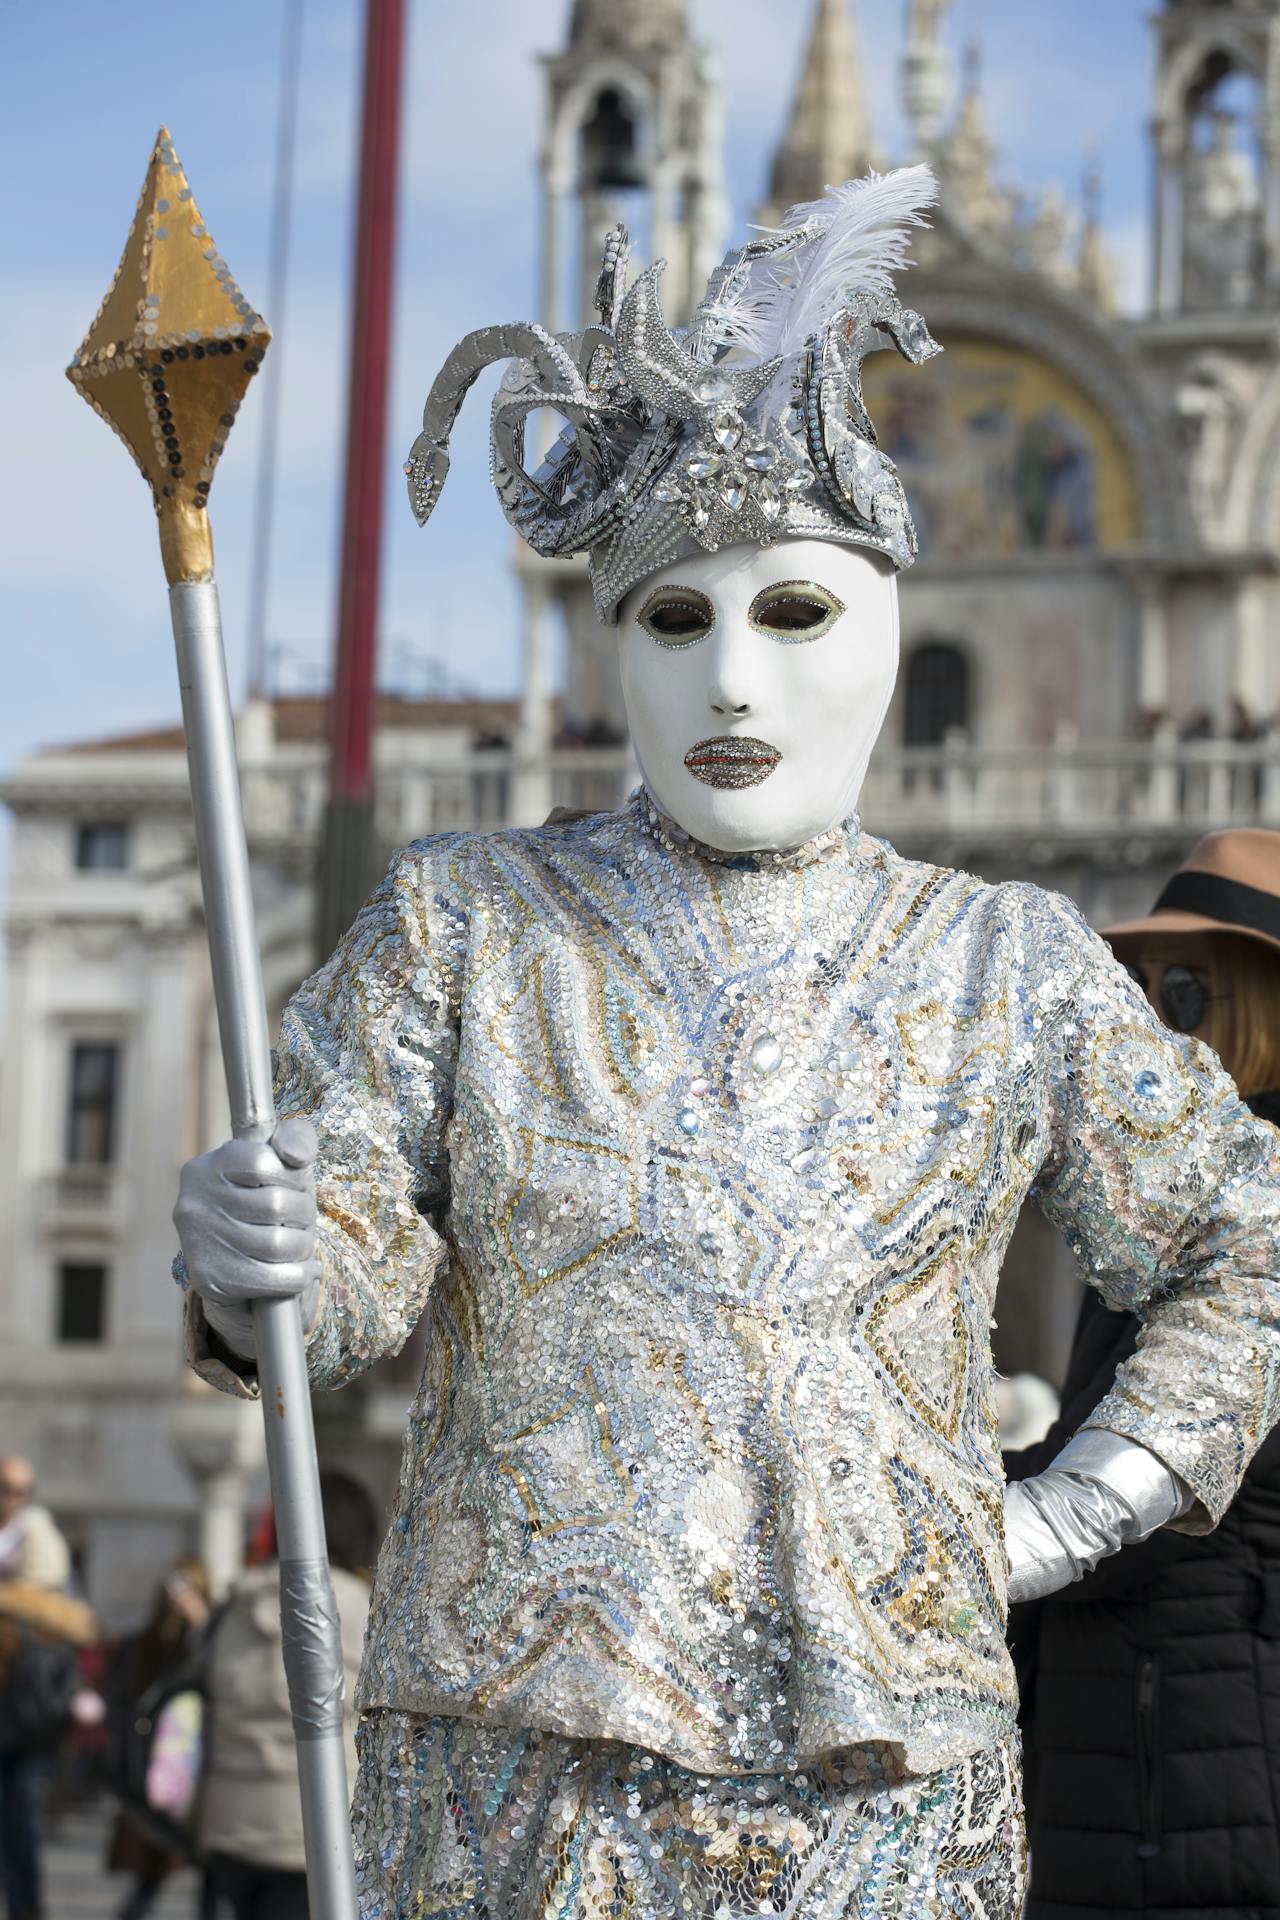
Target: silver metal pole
{"points": [[309, 1616]]}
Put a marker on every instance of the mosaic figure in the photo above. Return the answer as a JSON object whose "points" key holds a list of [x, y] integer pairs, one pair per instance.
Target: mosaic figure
{"points": [[696, 1133]]}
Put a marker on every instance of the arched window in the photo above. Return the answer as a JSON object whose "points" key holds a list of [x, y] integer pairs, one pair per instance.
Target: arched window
{"points": [[611, 158], [937, 693]]}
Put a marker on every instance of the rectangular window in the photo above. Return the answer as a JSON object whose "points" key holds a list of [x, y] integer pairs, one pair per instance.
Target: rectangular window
{"points": [[102, 846], [91, 1103], [82, 1303]]}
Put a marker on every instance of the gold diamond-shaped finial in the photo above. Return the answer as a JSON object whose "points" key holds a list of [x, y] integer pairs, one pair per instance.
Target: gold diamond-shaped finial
{"points": [[168, 357]]}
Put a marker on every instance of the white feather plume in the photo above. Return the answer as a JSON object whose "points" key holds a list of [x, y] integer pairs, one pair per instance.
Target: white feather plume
{"points": [[776, 302]]}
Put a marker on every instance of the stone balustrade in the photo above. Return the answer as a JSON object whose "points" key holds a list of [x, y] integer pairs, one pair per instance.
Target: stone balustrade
{"points": [[961, 792]]}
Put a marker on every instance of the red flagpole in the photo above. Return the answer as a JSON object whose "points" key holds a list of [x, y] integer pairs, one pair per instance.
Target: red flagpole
{"points": [[348, 844]]}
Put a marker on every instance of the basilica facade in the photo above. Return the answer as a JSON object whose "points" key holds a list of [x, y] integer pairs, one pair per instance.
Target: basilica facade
{"points": [[1097, 494]]}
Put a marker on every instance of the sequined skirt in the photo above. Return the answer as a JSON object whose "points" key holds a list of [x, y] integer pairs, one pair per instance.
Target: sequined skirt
{"points": [[468, 1822]]}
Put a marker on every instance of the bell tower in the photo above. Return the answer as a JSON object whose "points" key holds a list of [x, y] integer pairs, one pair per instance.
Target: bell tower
{"points": [[1216, 135], [632, 132], [827, 138]]}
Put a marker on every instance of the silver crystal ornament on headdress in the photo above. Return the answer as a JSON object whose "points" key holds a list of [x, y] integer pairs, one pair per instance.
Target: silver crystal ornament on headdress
{"points": [[748, 426]]}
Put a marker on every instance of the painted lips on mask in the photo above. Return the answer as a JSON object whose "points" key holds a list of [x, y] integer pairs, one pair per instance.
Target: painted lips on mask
{"points": [[732, 760]]}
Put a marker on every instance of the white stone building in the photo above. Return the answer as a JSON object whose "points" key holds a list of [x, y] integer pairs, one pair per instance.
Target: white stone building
{"points": [[1090, 680]]}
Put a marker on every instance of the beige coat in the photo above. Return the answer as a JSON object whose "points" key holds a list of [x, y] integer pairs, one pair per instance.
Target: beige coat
{"points": [[249, 1805], [42, 1558]]}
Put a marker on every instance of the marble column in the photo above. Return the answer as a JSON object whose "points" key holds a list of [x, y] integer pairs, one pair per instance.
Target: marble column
{"points": [[532, 794], [1251, 680], [221, 1443], [1269, 140], [1170, 188], [1153, 648], [549, 291]]}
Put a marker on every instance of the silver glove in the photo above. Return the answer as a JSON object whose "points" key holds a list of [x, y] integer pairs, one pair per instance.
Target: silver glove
{"points": [[1101, 1493], [246, 1217]]}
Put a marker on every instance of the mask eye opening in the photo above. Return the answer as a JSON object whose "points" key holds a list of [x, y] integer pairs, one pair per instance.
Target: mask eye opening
{"points": [[794, 611], [676, 617]]}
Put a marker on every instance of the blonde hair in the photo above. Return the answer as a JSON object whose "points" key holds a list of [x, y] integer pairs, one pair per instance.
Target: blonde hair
{"points": [[1243, 1027], [1242, 1019]]}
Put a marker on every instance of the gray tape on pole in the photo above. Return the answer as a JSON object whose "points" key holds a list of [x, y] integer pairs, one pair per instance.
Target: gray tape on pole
{"points": [[312, 1648]]}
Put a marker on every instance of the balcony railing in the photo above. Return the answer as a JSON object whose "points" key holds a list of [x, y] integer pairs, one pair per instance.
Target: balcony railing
{"points": [[1066, 792], [488, 788], [80, 1198], [1074, 791]]}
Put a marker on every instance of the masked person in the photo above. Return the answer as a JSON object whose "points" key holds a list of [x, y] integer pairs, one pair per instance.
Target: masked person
{"points": [[1151, 1690], [696, 1132]]}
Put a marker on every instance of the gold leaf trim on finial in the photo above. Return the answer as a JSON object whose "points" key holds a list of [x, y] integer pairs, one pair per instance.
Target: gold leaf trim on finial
{"points": [[172, 349]]}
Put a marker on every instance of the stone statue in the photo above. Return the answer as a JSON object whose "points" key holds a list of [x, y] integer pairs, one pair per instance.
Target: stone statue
{"points": [[1221, 222]]}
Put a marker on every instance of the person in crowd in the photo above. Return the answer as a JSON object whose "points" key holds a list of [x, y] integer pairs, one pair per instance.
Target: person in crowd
{"points": [[31, 1548], [166, 1643], [1151, 1688], [41, 1627], [250, 1818]]}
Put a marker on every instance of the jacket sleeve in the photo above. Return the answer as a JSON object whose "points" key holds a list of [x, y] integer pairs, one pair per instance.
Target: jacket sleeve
{"points": [[367, 1052], [1168, 1191]]}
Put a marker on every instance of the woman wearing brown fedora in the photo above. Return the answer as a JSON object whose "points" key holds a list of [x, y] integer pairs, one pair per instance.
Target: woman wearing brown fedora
{"points": [[1151, 1688]]}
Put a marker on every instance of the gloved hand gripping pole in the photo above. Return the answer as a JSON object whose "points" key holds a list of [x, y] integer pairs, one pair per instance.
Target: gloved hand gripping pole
{"points": [[166, 362]]}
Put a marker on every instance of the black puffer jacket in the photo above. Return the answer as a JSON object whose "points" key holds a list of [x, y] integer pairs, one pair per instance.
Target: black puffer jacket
{"points": [[1151, 1701]]}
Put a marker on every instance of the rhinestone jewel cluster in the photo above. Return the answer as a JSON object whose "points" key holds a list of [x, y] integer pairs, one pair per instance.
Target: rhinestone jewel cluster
{"points": [[701, 1173], [676, 441], [725, 464]]}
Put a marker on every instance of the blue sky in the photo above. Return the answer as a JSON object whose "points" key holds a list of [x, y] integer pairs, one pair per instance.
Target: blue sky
{"points": [[85, 621]]}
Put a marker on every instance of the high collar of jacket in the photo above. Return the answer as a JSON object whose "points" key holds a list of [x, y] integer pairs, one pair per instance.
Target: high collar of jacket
{"points": [[836, 842]]}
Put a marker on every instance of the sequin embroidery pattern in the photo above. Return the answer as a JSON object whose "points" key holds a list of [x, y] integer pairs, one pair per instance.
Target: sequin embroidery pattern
{"points": [[702, 1170], [476, 1822]]}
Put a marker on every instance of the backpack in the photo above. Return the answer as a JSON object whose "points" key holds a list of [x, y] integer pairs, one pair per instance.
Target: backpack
{"points": [[41, 1681], [157, 1750]]}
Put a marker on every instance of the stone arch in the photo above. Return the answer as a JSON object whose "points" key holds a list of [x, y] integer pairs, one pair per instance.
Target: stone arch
{"points": [[1225, 36], [573, 108], [987, 299]]}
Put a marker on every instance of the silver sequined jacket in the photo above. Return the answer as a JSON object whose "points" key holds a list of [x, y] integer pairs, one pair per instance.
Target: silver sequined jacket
{"points": [[701, 1170]]}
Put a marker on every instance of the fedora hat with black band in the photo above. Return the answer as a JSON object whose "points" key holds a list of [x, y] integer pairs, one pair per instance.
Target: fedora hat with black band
{"points": [[1228, 883]]}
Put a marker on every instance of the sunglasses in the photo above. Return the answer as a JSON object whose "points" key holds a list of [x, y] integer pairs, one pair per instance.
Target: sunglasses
{"points": [[1182, 995]]}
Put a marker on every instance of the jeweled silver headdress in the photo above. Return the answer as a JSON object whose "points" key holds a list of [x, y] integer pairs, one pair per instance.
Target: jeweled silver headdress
{"points": [[749, 426]]}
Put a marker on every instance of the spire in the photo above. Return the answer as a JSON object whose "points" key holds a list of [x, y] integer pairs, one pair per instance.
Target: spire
{"points": [[968, 151], [1095, 269], [926, 73], [634, 24], [827, 139]]}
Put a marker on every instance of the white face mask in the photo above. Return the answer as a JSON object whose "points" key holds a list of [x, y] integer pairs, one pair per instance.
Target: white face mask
{"points": [[756, 680]]}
